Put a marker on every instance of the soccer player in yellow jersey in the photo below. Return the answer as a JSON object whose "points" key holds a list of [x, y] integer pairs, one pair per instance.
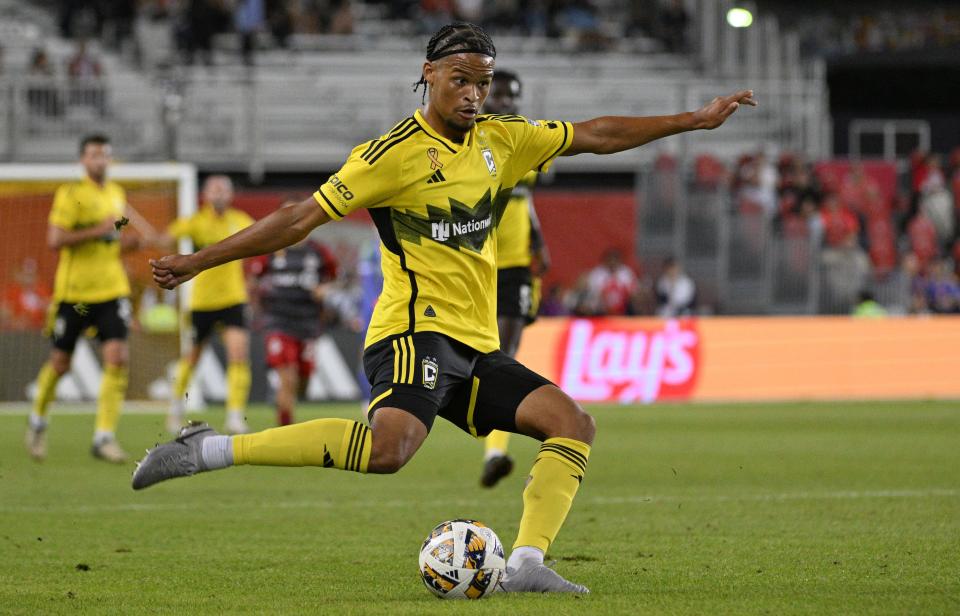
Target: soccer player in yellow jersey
{"points": [[90, 290], [521, 257], [218, 300], [435, 186]]}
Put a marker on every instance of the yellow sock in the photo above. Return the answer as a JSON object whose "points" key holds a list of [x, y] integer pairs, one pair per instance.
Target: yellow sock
{"points": [[46, 388], [238, 386], [181, 379], [113, 388], [496, 442], [339, 443], [554, 480]]}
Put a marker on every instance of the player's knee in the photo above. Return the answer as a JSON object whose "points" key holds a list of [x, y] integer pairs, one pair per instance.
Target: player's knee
{"points": [[586, 427], [60, 362], [386, 462], [386, 456]]}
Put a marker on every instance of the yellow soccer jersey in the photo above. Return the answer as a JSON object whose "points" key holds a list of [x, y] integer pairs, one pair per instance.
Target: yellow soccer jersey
{"points": [[513, 232], [222, 286], [89, 272], [436, 204]]}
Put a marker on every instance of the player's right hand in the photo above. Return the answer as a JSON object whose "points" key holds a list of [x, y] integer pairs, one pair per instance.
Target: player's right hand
{"points": [[172, 270]]}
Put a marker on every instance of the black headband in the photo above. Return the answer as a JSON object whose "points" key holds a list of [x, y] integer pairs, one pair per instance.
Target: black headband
{"points": [[450, 52]]}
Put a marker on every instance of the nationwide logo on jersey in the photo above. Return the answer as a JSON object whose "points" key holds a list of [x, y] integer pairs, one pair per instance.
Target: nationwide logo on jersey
{"points": [[431, 370], [440, 231], [461, 227]]}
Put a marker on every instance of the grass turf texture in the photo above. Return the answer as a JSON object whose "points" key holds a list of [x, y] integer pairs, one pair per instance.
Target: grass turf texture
{"points": [[793, 508]]}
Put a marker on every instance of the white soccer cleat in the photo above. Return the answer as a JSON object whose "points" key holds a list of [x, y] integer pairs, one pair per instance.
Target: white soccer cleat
{"points": [[531, 576], [174, 423], [235, 424], [36, 442], [109, 451]]}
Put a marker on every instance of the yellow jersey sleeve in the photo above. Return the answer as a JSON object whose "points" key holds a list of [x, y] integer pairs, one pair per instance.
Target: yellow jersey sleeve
{"points": [[362, 182], [244, 220], [63, 214], [536, 143], [181, 227]]}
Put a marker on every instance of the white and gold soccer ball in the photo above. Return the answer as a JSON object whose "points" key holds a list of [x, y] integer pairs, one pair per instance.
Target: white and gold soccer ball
{"points": [[462, 559]]}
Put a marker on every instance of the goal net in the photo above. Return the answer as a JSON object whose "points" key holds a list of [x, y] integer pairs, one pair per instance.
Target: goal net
{"points": [[159, 192]]}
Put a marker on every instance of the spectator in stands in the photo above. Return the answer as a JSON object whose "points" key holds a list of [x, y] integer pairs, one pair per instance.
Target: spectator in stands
{"points": [[25, 299], [612, 286], [673, 21], [943, 290], [119, 16], [579, 20], [840, 224], [922, 235], [676, 291], [202, 19], [341, 21], [433, 14], [757, 180], [42, 97], [642, 18], [85, 71], [552, 304], [907, 287], [249, 19], [280, 22], [845, 265]]}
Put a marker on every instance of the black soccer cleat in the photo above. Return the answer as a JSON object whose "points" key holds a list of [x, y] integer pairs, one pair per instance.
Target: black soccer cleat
{"points": [[495, 469]]}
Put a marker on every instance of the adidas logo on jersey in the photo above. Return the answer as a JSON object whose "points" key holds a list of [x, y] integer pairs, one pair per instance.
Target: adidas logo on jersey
{"points": [[436, 177]]}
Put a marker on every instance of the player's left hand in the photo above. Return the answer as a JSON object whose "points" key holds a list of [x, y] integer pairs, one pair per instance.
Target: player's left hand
{"points": [[716, 112], [172, 270]]}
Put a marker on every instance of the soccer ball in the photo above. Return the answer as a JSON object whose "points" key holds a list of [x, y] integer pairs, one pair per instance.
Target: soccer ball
{"points": [[462, 559]]}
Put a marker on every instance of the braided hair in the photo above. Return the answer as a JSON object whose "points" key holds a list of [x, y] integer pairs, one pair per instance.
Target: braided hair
{"points": [[458, 37]]}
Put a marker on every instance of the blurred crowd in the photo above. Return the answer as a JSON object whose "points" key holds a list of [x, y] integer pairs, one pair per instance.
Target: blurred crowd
{"points": [[194, 24], [906, 29], [904, 237]]}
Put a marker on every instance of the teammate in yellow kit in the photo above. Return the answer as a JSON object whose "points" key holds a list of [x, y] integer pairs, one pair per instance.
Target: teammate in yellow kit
{"points": [[90, 290], [435, 186], [217, 301], [521, 258]]}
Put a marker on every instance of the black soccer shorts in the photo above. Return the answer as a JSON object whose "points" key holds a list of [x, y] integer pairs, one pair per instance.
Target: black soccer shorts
{"points": [[429, 374], [203, 321], [517, 295], [111, 320]]}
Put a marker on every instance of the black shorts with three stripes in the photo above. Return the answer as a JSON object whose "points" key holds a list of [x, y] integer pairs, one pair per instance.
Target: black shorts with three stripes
{"points": [[428, 374]]}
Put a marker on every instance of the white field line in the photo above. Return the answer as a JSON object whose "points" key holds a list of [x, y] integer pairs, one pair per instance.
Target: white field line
{"points": [[413, 503]]}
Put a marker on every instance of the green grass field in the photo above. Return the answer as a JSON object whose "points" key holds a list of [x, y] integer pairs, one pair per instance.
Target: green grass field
{"points": [[719, 509]]}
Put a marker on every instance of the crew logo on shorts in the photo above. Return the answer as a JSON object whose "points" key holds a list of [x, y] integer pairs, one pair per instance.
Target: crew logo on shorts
{"points": [[430, 372]]}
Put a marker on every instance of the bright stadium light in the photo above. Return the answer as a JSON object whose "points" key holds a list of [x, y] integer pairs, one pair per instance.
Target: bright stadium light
{"points": [[739, 18]]}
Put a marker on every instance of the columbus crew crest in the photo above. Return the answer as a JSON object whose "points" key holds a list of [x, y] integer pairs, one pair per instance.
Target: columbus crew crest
{"points": [[431, 370]]}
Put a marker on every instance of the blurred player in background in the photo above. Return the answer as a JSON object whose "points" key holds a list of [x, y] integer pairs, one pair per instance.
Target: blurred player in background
{"points": [[521, 259], [217, 301], [435, 187], [90, 290], [291, 285]]}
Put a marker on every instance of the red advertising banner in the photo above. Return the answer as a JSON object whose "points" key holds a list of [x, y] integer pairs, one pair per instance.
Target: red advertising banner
{"points": [[640, 360]]}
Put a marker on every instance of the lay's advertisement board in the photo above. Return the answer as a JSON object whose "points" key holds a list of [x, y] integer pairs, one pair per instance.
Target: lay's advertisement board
{"points": [[641, 360]]}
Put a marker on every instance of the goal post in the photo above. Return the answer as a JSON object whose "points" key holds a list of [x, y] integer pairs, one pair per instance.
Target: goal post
{"points": [[160, 192]]}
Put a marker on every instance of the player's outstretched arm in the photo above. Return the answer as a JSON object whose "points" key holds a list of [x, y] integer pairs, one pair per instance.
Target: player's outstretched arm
{"points": [[284, 227], [610, 134]]}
